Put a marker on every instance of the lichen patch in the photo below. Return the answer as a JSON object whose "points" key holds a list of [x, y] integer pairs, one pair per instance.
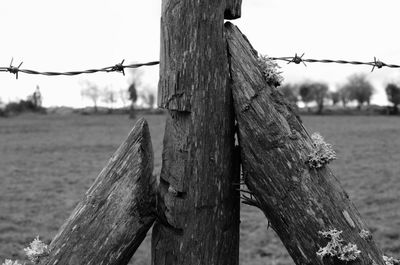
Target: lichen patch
{"points": [[337, 248], [322, 152], [391, 260], [269, 69], [365, 234]]}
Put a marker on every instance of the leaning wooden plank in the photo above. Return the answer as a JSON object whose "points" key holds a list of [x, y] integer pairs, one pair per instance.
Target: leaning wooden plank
{"points": [[113, 218], [306, 206]]}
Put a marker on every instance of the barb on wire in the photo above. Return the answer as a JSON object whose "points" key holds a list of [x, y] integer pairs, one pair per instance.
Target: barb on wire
{"points": [[378, 64], [14, 70], [119, 67], [299, 59]]}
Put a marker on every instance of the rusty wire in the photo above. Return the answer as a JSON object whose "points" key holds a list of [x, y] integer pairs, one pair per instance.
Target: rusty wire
{"points": [[115, 68], [299, 59]]}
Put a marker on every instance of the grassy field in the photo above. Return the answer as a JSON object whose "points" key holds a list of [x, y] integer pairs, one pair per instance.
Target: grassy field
{"points": [[48, 162]]}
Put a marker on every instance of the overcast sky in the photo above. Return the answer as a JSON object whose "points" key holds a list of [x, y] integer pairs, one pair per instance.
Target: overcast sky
{"points": [[50, 35]]}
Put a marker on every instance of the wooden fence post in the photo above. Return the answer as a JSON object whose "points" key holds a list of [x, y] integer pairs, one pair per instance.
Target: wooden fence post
{"points": [[199, 202], [112, 220], [300, 202]]}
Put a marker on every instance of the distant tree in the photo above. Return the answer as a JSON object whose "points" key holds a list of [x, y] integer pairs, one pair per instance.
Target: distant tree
{"points": [[92, 92], [151, 100], [320, 94], [110, 98], [344, 95], [37, 98], [360, 89], [132, 92], [393, 95], [335, 97], [133, 98], [135, 74], [290, 92], [33, 102], [306, 93]]}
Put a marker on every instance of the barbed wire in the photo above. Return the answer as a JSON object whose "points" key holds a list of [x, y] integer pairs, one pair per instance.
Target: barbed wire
{"points": [[119, 67], [299, 59]]}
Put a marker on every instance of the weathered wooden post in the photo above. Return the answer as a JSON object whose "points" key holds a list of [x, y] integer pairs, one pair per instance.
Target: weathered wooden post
{"points": [[208, 76], [112, 220], [300, 202], [198, 199]]}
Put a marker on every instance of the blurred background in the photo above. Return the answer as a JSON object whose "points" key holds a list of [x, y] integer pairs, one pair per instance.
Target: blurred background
{"points": [[57, 133]]}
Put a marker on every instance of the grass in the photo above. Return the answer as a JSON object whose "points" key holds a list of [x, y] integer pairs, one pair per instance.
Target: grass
{"points": [[48, 162]]}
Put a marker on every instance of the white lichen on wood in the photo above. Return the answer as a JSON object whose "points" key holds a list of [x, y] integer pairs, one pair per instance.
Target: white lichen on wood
{"points": [[269, 69], [391, 260], [365, 234], [36, 250], [322, 153], [10, 262], [336, 247]]}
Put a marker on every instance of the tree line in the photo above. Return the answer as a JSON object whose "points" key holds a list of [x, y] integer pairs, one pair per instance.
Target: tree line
{"points": [[32, 103], [356, 89], [125, 95]]}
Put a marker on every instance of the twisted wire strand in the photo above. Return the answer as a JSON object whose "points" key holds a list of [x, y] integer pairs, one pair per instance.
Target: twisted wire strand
{"points": [[299, 59], [120, 67], [116, 68]]}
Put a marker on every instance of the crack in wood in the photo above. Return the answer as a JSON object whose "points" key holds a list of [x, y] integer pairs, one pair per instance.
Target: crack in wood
{"points": [[164, 189], [281, 141]]}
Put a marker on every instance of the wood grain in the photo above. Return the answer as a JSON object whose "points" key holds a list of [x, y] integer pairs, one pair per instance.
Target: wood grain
{"points": [[191, 40], [111, 221], [298, 201], [200, 220]]}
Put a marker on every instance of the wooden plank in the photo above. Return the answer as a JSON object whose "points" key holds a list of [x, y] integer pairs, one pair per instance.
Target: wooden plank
{"points": [[111, 221], [200, 219], [298, 201]]}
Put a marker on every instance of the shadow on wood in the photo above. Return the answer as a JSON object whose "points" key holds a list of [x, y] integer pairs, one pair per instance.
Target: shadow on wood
{"points": [[299, 202], [113, 218]]}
